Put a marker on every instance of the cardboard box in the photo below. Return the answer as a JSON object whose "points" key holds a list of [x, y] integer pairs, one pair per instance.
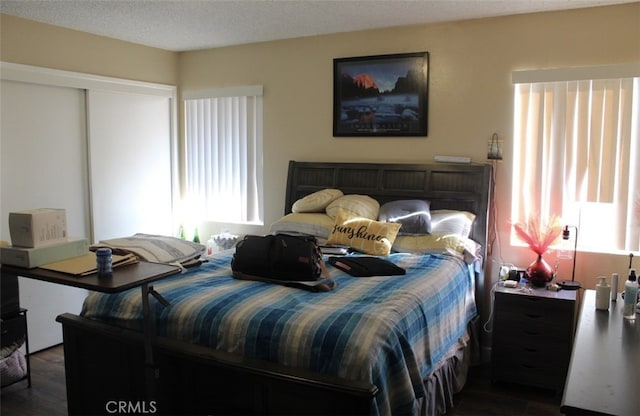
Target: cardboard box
{"points": [[37, 227], [34, 257]]}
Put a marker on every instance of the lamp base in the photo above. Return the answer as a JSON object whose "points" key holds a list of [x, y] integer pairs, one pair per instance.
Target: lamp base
{"points": [[569, 285]]}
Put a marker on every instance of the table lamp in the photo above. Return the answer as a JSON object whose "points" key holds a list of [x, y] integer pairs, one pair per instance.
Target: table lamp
{"points": [[570, 284]]}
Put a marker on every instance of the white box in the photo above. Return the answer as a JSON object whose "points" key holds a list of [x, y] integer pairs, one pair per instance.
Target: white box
{"points": [[34, 257], [37, 227]]}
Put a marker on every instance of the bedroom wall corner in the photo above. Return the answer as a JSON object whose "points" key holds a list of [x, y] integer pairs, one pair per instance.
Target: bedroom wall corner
{"points": [[34, 43]]}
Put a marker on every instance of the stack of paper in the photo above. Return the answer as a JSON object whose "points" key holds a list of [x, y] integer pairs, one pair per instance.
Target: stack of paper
{"points": [[86, 264]]}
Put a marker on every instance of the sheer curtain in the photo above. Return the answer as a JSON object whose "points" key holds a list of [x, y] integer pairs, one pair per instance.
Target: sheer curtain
{"points": [[223, 169], [577, 156]]}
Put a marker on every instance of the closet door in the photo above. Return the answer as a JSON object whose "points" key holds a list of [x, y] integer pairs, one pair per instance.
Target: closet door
{"points": [[130, 163], [43, 164]]}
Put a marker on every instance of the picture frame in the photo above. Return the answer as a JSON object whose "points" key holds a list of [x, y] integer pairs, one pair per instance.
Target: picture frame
{"points": [[381, 95]]}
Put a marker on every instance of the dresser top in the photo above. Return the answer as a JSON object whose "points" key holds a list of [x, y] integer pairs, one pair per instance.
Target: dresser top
{"points": [[526, 290], [604, 371]]}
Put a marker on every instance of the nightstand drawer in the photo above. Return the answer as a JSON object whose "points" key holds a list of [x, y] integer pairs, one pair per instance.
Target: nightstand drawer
{"points": [[516, 327], [533, 307], [532, 373], [13, 330], [543, 353]]}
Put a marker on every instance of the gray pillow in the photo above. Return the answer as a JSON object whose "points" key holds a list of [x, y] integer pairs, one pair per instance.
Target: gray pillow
{"points": [[413, 214]]}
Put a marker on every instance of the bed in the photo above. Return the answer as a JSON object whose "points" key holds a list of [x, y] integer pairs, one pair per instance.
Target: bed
{"points": [[376, 345]]}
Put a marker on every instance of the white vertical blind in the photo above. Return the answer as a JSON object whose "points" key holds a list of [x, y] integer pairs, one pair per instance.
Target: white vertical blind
{"points": [[577, 155], [224, 156]]}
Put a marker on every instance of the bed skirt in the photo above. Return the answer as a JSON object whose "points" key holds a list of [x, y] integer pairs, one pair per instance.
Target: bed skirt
{"points": [[451, 375]]}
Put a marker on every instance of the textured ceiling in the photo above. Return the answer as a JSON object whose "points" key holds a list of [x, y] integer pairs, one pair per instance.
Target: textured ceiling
{"points": [[181, 25]]}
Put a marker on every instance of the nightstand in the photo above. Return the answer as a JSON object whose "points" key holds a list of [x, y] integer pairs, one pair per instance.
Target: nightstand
{"points": [[532, 336], [14, 331]]}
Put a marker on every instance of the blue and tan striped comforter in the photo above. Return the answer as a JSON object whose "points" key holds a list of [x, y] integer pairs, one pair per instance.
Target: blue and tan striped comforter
{"points": [[391, 331]]}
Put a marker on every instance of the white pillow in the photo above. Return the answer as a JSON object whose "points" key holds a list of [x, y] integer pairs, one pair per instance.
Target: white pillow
{"points": [[317, 201], [355, 206], [451, 222], [317, 225]]}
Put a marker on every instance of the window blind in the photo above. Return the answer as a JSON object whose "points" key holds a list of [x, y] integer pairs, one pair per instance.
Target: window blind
{"points": [[223, 172], [577, 155]]}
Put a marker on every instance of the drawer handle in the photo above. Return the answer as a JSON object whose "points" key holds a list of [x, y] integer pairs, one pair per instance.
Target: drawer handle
{"points": [[530, 349], [533, 316], [529, 332]]}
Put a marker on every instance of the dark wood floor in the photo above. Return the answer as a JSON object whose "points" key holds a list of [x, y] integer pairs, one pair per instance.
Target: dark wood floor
{"points": [[47, 395], [480, 397]]}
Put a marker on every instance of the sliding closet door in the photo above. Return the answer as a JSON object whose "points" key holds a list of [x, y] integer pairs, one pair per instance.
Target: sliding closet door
{"points": [[130, 163], [43, 164], [99, 147]]}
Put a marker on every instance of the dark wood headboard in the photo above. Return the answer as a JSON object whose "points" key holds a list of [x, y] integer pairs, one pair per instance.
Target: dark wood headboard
{"points": [[446, 186]]}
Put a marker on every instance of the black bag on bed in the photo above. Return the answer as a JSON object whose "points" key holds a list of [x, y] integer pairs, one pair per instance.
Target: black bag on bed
{"points": [[363, 266], [279, 257]]}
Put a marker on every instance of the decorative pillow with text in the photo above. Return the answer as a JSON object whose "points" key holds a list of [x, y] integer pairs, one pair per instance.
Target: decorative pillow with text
{"points": [[364, 235]]}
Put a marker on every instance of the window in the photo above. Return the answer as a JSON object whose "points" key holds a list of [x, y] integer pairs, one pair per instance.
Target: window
{"points": [[577, 155], [223, 158]]}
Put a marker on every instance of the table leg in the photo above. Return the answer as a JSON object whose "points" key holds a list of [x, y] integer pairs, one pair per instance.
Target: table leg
{"points": [[148, 319], [149, 322]]}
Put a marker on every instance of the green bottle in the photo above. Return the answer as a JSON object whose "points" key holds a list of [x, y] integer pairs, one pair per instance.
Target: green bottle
{"points": [[181, 232], [196, 237]]}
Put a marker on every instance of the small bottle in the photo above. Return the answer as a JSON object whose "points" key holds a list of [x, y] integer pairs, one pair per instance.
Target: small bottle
{"points": [[614, 286], [630, 295], [181, 232], [210, 246], [196, 236], [104, 262], [603, 294]]}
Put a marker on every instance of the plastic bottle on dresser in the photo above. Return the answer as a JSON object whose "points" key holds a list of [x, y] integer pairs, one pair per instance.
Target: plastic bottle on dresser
{"points": [[614, 286], [603, 294], [630, 295]]}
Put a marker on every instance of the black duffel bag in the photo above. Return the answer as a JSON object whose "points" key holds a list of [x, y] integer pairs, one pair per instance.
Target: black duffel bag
{"points": [[279, 258]]}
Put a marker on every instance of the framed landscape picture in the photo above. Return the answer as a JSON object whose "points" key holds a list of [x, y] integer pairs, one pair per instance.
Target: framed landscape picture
{"points": [[382, 95]]}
